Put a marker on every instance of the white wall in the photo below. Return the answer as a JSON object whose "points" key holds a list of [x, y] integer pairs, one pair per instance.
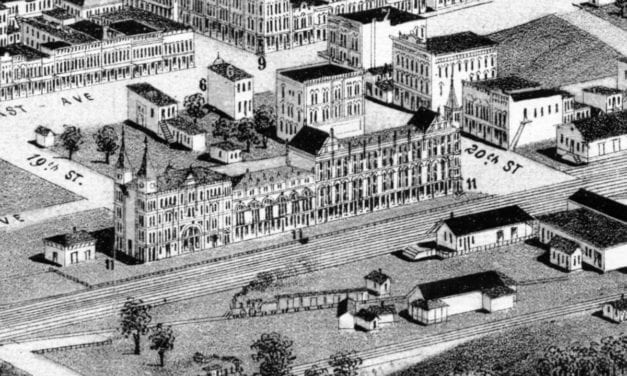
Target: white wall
{"points": [[221, 93], [468, 302], [616, 257], [543, 125], [85, 252], [622, 75], [482, 238], [498, 304]]}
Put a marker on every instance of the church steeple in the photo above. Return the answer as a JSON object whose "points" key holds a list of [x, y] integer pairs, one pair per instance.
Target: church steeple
{"points": [[145, 174], [452, 107], [123, 171]]}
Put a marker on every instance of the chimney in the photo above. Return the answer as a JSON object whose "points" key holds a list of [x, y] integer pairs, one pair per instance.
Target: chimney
{"points": [[452, 215], [74, 229], [380, 270]]}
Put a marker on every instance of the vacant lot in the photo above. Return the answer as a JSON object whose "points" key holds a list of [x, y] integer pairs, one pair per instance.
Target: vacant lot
{"points": [[610, 13], [23, 191]]}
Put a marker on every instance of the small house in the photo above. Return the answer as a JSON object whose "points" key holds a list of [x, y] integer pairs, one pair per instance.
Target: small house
{"points": [[378, 283], [71, 248], [565, 253], [230, 89], [186, 132], [484, 230], [616, 311], [44, 137], [434, 302], [226, 152], [148, 107], [604, 98], [375, 317], [346, 311]]}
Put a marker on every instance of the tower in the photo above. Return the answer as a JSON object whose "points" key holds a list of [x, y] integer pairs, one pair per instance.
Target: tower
{"points": [[123, 171], [146, 178], [452, 109]]}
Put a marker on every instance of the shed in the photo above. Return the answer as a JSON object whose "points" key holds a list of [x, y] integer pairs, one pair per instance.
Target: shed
{"points": [[44, 137]]}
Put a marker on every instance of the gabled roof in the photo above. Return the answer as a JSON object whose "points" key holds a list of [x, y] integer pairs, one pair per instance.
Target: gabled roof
{"points": [[600, 203], [584, 224], [564, 245], [603, 90], [176, 178], [72, 238], [395, 15], [458, 42], [152, 94], [309, 139], [377, 276], [602, 126], [476, 222], [44, 131], [464, 284]]}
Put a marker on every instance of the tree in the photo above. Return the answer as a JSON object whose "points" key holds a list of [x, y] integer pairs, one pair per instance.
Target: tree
{"points": [[345, 363], [246, 133], [135, 317], [162, 340], [224, 128], [107, 141], [264, 119], [275, 355], [316, 371], [71, 139], [194, 105]]}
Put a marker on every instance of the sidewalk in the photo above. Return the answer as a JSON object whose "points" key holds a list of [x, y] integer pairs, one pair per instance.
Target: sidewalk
{"points": [[22, 356], [611, 35]]}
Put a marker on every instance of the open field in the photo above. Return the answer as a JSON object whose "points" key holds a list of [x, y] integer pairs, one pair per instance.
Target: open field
{"points": [[23, 191], [610, 13], [515, 351], [553, 52]]}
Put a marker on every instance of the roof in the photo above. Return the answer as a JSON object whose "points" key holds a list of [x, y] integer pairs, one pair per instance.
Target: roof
{"points": [[429, 304], [464, 284], [152, 94], [270, 175], [600, 203], [562, 244], [579, 105], [186, 125], [620, 304], [535, 94], [43, 130], [22, 50], [72, 238], [381, 69], [498, 291], [227, 145], [458, 42], [505, 84], [395, 15], [58, 13], [588, 226], [92, 3], [176, 178], [90, 28], [320, 293], [623, 59], [604, 90], [385, 85], [230, 71], [476, 222], [377, 276], [422, 119], [309, 139], [603, 126], [64, 33], [144, 17], [314, 72], [297, 3], [54, 45], [366, 314], [131, 27]]}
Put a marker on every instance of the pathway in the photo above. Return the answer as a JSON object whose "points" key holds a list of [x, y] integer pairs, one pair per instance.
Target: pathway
{"points": [[22, 356]]}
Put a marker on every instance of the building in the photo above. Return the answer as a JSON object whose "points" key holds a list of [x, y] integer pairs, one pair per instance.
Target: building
{"points": [[616, 311], [434, 302], [587, 140], [72, 248], [170, 9], [124, 44], [375, 317], [230, 89], [600, 3], [44, 137], [322, 96], [226, 152], [184, 131], [176, 212], [214, 365], [574, 110], [362, 39], [11, 10], [149, 107], [511, 111], [428, 72], [392, 167], [598, 204], [622, 73], [380, 84], [602, 238], [85, 9], [346, 311], [606, 99], [564, 253], [485, 230], [379, 283], [272, 201]]}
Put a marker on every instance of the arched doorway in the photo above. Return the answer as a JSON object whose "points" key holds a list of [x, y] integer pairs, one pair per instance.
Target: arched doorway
{"points": [[191, 239]]}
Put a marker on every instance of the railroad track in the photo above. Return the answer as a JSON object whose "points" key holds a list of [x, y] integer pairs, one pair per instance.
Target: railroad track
{"points": [[323, 250]]}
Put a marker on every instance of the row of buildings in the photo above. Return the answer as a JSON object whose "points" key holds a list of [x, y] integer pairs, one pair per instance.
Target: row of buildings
{"points": [[162, 214], [83, 45]]}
